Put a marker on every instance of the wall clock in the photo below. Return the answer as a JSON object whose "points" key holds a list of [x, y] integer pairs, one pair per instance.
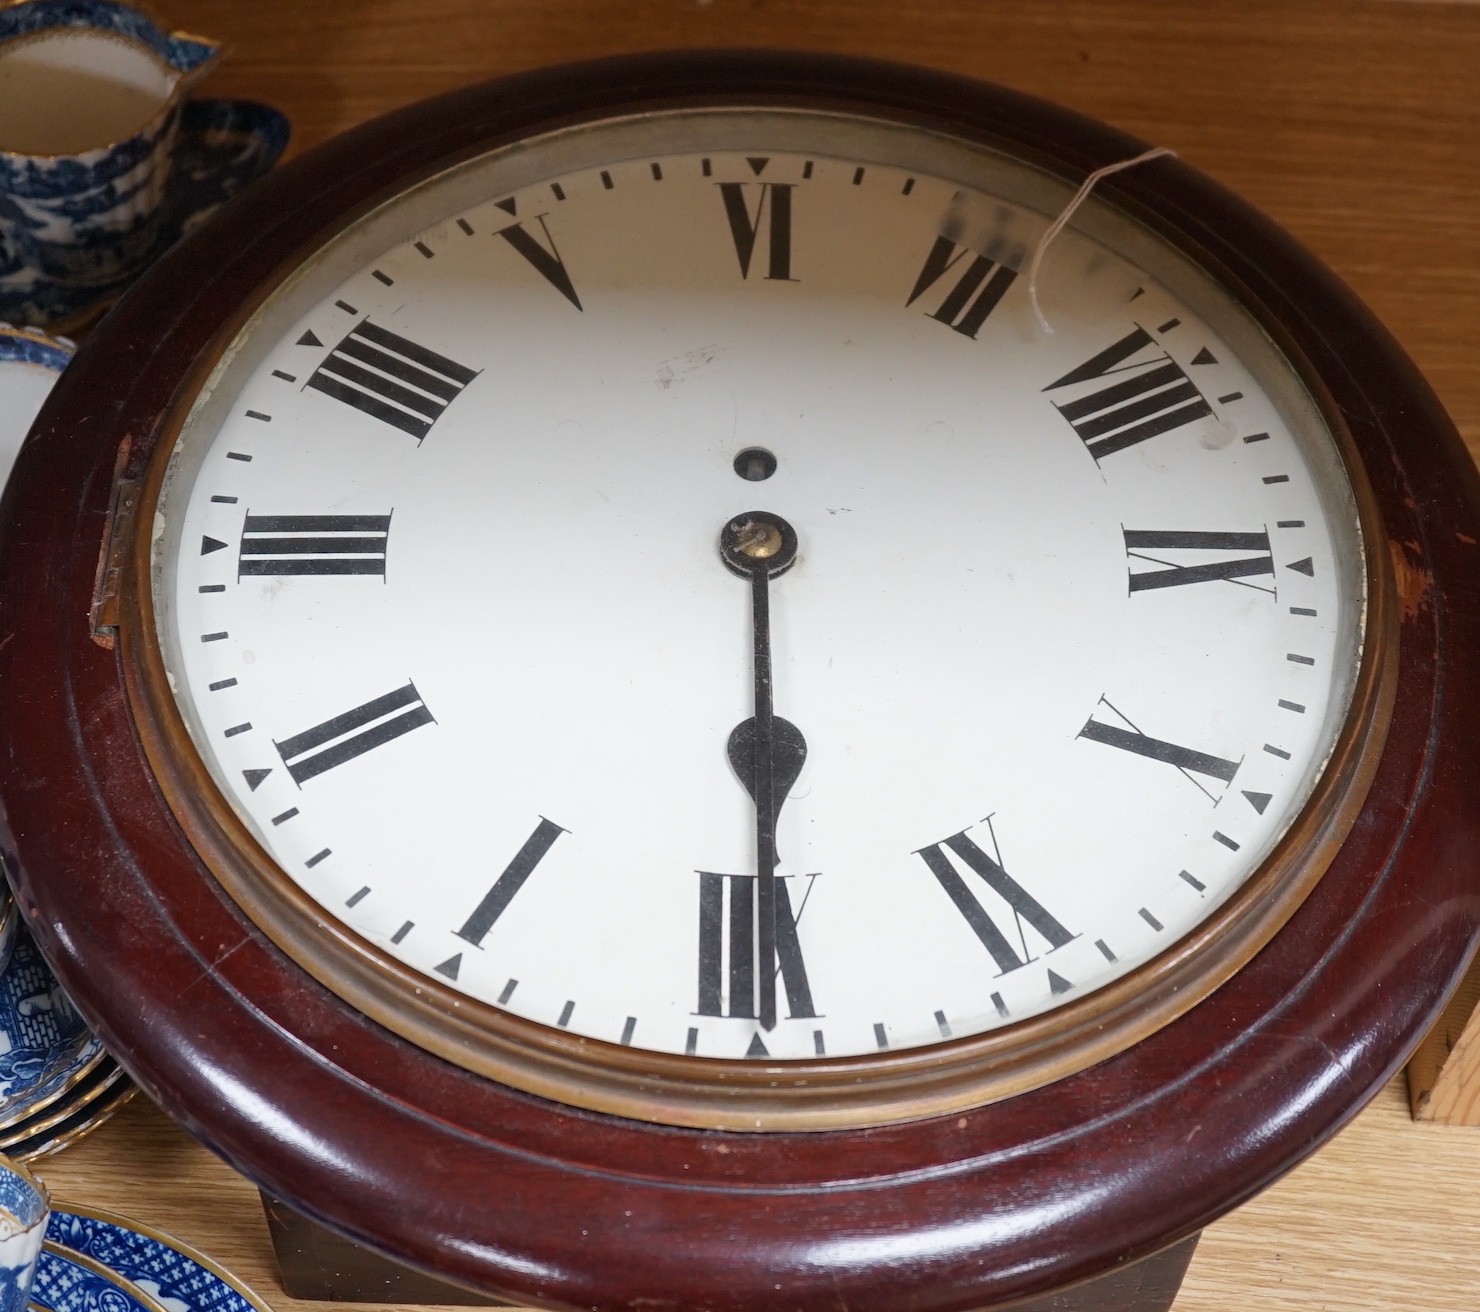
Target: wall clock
{"points": [[596, 703]]}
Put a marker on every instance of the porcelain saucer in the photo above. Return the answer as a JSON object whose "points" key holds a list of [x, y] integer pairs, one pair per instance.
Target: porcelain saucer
{"points": [[173, 1273], [45, 1049], [67, 1281], [34, 1136], [222, 146]]}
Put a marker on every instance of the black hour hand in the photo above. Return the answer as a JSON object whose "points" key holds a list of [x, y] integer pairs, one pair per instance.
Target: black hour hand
{"points": [[788, 755]]}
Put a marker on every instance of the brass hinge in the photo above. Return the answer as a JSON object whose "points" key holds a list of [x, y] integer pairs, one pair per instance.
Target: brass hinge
{"points": [[118, 533]]}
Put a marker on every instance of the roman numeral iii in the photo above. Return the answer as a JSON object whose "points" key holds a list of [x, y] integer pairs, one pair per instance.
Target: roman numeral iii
{"points": [[1154, 547], [1024, 907], [344, 737], [974, 292], [313, 544], [391, 378], [1151, 396], [771, 214], [727, 948]]}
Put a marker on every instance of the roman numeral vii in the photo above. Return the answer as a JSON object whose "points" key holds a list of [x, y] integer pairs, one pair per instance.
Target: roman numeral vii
{"points": [[978, 285]]}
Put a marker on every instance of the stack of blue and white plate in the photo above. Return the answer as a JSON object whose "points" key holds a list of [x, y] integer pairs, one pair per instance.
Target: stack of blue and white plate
{"points": [[97, 1261]]}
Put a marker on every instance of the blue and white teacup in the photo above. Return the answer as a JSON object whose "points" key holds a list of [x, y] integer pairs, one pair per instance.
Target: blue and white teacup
{"points": [[24, 1208], [90, 95]]}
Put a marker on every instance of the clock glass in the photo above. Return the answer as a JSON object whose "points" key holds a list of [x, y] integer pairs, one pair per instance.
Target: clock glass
{"points": [[659, 587]]}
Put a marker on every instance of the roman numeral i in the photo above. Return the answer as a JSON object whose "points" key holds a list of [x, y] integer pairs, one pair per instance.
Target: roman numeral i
{"points": [[391, 378], [1152, 398]]}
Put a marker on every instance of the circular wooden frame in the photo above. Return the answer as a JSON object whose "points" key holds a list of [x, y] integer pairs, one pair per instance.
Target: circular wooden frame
{"points": [[548, 1203], [708, 1093]]}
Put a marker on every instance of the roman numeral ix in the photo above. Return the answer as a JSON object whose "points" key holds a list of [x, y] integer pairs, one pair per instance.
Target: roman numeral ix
{"points": [[974, 293], [391, 378], [1024, 907], [1154, 397], [313, 544], [1152, 547], [727, 947], [352, 734], [772, 213]]}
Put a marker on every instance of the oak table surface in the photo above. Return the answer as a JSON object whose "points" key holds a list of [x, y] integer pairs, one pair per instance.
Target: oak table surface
{"points": [[1355, 125]]}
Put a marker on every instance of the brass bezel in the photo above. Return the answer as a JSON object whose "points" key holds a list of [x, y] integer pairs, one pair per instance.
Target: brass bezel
{"points": [[711, 1093]]}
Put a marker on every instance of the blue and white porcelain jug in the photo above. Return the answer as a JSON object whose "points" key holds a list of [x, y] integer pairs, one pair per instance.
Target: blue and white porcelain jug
{"points": [[90, 96]]}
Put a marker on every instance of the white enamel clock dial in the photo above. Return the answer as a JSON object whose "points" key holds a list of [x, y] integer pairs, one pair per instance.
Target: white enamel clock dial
{"points": [[1072, 626]]}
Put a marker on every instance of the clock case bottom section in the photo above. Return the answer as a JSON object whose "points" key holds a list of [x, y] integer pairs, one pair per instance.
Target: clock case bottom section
{"points": [[319, 1265]]}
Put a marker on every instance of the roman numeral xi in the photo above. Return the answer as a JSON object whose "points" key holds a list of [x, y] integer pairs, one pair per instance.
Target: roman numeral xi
{"points": [[727, 983], [391, 378], [1024, 907], [1148, 397]]}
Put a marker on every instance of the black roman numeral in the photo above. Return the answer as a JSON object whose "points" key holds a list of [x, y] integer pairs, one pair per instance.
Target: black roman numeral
{"points": [[354, 733], [390, 377], [1154, 398], [773, 212], [544, 257], [497, 899], [974, 294], [313, 544], [1152, 546], [1024, 907], [732, 937], [1184, 759]]}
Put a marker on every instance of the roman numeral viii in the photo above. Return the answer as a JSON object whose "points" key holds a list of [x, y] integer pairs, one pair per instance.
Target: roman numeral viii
{"points": [[391, 378], [1024, 908], [727, 947], [772, 213], [1153, 397], [1152, 547], [973, 294], [355, 732], [313, 544]]}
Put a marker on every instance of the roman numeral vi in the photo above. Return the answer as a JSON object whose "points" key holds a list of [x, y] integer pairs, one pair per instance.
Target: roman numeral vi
{"points": [[773, 213]]}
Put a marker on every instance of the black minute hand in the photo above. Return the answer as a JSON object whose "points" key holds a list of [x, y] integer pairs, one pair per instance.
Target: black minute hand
{"points": [[765, 751]]}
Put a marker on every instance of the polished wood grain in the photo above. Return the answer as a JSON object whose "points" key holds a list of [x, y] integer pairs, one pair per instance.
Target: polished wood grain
{"points": [[1353, 124]]}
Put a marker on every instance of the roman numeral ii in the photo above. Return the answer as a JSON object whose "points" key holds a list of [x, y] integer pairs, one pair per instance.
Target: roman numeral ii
{"points": [[343, 737]]}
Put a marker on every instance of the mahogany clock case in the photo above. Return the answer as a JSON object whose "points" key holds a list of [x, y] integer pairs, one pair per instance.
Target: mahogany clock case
{"points": [[548, 1204]]}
